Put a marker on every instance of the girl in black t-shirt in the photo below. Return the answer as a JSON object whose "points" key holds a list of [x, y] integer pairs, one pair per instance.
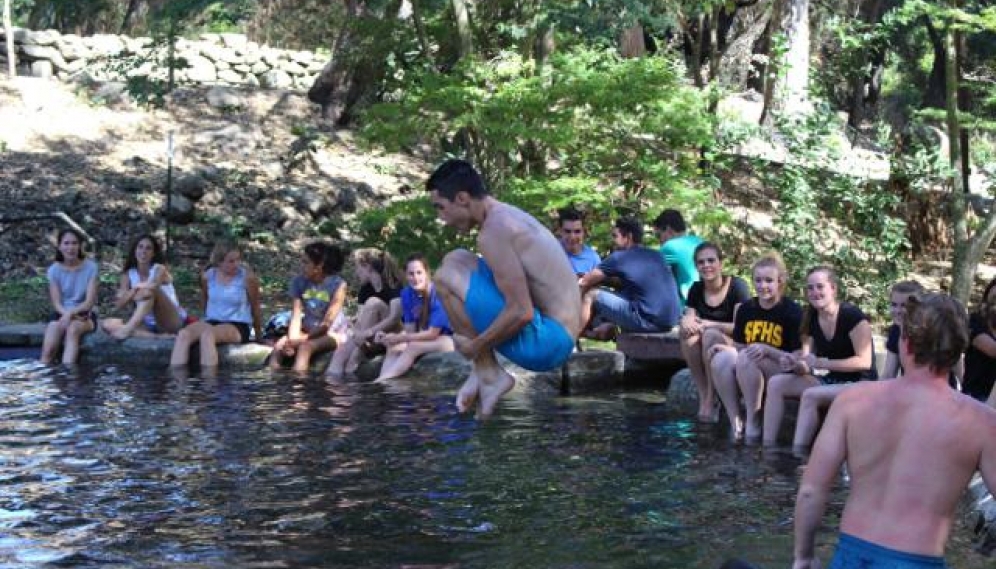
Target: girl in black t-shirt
{"points": [[708, 320], [836, 339], [764, 329], [980, 358], [379, 308]]}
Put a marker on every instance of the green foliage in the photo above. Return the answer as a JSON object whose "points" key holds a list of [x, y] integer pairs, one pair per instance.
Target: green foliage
{"points": [[609, 135], [406, 227], [828, 217]]}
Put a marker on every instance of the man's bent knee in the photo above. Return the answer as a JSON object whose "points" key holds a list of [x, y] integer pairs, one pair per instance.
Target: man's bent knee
{"points": [[454, 272]]}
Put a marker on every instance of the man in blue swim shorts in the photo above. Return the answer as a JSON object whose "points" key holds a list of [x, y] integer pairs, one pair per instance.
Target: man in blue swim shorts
{"points": [[911, 446], [520, 298]]}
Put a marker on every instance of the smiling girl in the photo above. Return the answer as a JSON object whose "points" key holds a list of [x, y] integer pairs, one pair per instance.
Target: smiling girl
{"points": [[147, 282], [708, 320], [764, 329], [836, 341], [426, 327]]}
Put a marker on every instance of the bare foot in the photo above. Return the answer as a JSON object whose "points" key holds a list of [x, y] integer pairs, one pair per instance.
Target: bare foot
{"points": [[468, 393], [491, 391], [752, 433], [737, 429], [708, 414]]}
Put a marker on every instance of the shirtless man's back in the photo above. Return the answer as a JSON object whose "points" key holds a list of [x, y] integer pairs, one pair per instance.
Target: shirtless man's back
{"points": [[911, 446]]}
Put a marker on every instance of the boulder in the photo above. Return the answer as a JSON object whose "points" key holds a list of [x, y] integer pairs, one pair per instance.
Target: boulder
{"points": [[190, 186], [224, 97], [106, 45], [42, 69], [181, 210], [276, 79]]}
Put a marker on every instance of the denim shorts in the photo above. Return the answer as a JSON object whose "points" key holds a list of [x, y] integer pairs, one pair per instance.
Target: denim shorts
{"points": [[623, 313]]}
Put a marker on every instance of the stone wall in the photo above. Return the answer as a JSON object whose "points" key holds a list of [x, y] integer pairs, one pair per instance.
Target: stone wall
{"points": [[213, 59]]}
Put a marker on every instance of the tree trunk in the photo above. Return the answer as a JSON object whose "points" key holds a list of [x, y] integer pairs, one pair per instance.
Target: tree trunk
{"points": [[8, 30], [423, 38], [963, 265], [126, 19], [792, 92], [462, 16], [631, 42], [933, 97]]}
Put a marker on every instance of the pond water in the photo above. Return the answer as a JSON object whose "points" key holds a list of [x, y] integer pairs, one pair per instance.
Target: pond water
{"points": [[116, 466]]}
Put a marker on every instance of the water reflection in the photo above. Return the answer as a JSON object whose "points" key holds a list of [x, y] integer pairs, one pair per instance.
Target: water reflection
{"points": [[152, 469]]}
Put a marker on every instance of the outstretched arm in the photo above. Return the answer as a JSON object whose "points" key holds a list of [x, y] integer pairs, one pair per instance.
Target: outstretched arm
{"points": [[828, 455]]}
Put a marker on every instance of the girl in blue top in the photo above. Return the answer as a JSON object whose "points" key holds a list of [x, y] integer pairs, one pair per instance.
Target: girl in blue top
{"points": [[317, 322], [230, 299], [426, 327], [72, 286]]}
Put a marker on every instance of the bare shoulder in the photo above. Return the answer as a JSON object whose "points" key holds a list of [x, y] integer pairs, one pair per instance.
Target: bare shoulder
{"points": [[861, 392]]}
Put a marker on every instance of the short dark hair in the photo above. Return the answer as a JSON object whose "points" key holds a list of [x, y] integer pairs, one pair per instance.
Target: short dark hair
{"points": [[936, 327], [79, 237], [670, 218], [632, 227], [330, 257], [454, 176], [569, 214], [157, 251], [906, 287]]}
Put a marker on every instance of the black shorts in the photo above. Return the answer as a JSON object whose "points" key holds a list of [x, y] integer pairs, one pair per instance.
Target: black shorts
{"points": [[242, 327], [53, 316]]}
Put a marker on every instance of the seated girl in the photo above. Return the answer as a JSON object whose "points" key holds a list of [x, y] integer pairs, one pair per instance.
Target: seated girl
{"points": [[708, 320], [147, 282], [426, 327], [72, 287], [380, 308], [230, 300], [317, 322], [764, 329], [980, 358], [837, 339]]}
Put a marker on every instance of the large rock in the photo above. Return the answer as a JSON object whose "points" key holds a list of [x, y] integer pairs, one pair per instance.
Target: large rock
{"points": [[190, 186], [155, 352], [276, 79], [225, 98], [181, 210]]}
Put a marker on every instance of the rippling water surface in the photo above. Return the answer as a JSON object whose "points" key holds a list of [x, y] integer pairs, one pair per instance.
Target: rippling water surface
{"points": [[131, 468]]}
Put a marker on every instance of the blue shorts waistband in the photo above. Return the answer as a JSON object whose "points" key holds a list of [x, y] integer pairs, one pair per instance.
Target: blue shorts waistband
{"points": [[854, 552]]}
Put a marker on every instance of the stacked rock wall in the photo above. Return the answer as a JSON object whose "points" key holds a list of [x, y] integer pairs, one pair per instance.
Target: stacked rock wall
{"points": [[214, 59]]}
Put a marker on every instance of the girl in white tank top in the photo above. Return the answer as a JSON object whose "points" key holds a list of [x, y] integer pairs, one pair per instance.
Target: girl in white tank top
{"points": [[146, 282]]}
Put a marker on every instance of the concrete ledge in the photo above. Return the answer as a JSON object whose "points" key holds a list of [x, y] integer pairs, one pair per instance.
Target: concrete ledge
{"points": [[22, 334], [643, 346], [99, 347]]}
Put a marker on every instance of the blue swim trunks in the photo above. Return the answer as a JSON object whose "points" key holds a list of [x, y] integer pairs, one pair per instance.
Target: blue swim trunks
{"points": [[856, 553], [542, 345]]}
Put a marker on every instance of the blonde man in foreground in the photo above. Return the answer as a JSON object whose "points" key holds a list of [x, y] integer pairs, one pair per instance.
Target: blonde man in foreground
{"points": [[911, 448]]}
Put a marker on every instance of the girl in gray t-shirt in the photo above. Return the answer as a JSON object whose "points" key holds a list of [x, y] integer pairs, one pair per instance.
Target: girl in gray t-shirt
{"points": [[72, 286], [317, 321]]}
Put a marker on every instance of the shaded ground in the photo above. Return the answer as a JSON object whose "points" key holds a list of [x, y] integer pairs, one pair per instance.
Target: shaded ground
{"points": [[105, 167]]}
